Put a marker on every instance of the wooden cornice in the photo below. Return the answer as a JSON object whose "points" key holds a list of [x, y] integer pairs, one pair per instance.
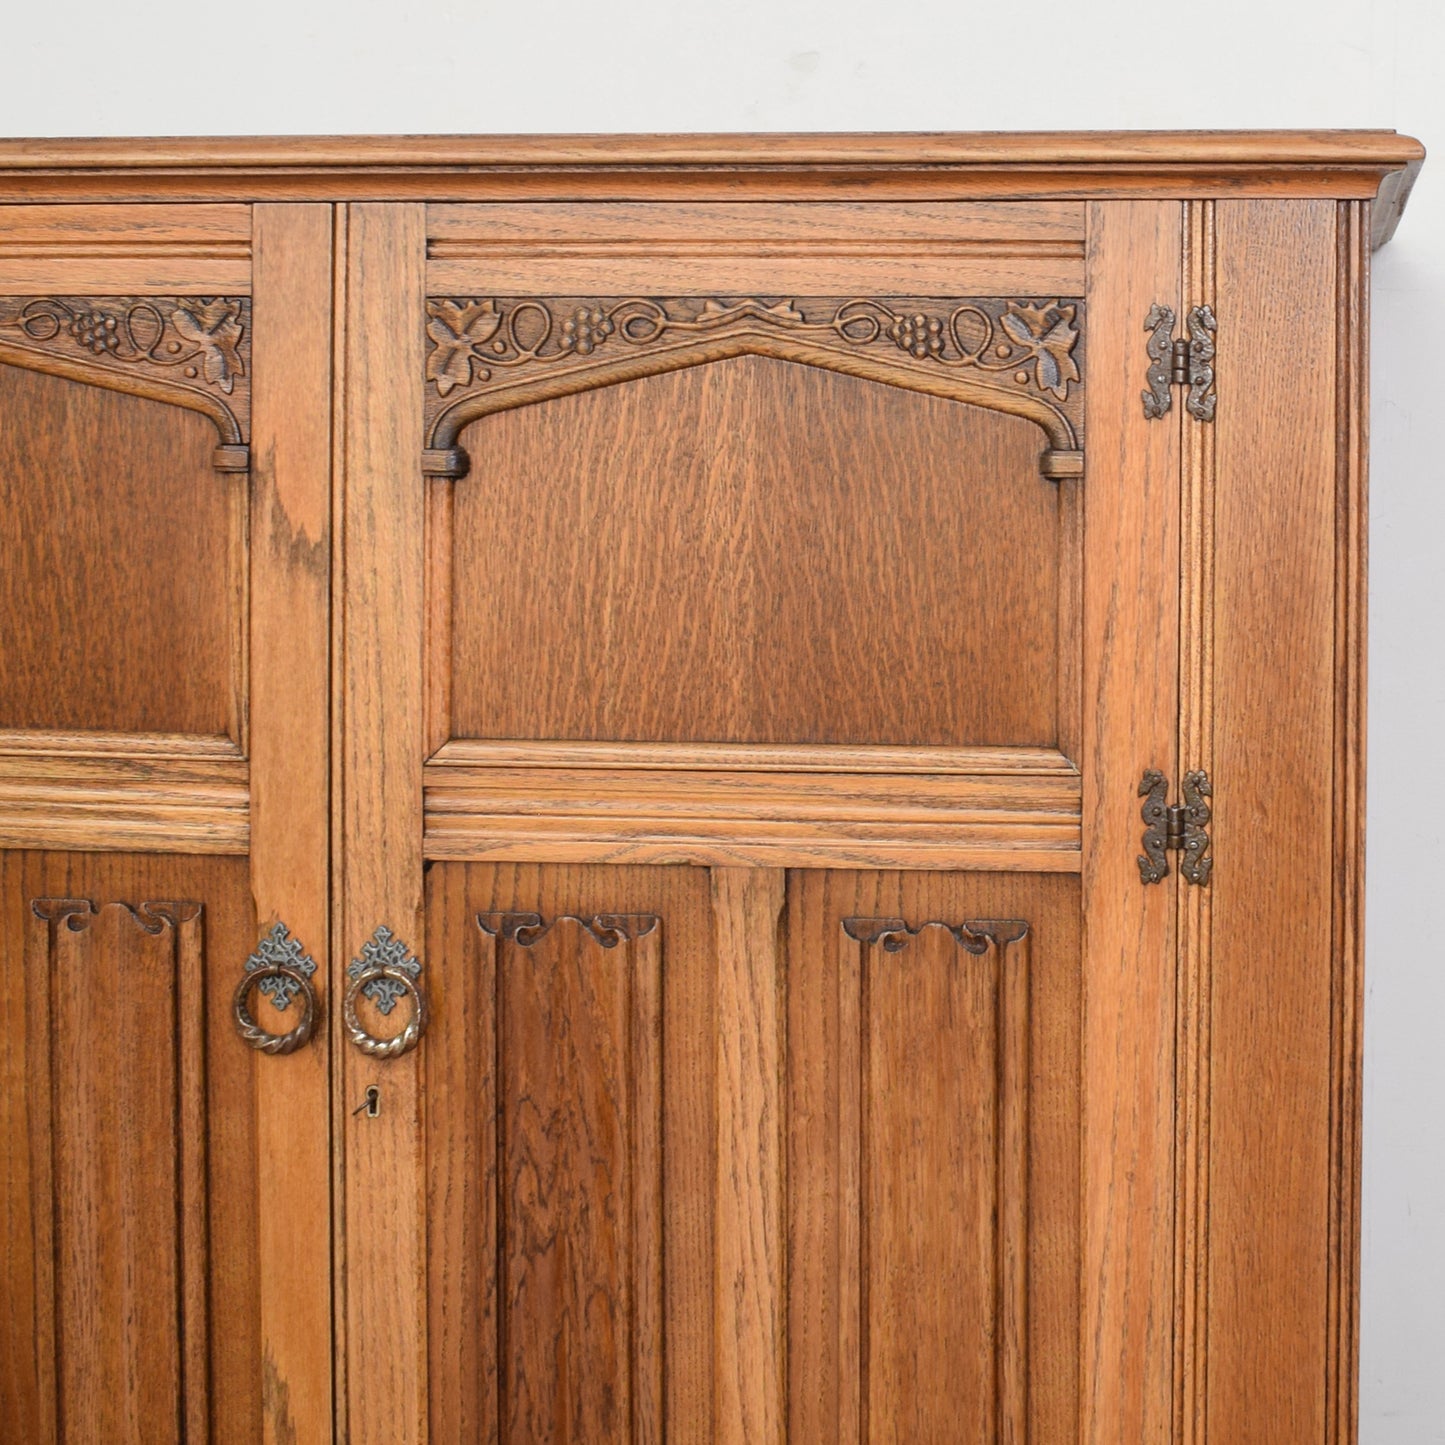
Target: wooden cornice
{"points": [[1350, 164]]}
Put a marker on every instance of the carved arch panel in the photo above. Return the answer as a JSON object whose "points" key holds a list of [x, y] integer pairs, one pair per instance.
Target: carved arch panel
{"points": [[1020, 356], [187, 351]]}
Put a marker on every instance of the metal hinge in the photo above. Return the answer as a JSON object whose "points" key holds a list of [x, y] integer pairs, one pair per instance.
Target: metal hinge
{"points": [[1177, 827], [1180, 361]]}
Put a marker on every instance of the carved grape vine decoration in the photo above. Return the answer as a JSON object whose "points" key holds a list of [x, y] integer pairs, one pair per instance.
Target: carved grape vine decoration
{"points": [[191, 350], [1019, 355]]}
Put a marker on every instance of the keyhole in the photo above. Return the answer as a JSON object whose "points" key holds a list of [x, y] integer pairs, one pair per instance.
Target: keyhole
{"points": [[371, 1104]]}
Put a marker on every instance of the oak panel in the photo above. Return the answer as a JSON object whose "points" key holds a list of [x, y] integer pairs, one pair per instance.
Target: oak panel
{"points": [[922, 1097], [754, 551], [128, 1183], [116, 1075], [935, 271], [464, 1154], [812, 226], [942, 1054], [121, 551], [1275, 540], [1351, 591], [578, 1100]]}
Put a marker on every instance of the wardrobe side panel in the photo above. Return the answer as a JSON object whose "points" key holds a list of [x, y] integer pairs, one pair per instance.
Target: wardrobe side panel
{"points": [[1271, 1107]]}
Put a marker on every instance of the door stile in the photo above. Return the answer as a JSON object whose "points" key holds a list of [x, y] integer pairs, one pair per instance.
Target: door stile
{"points": [[379, 858], [1131, 617], [1195, 978], [290, 532]]}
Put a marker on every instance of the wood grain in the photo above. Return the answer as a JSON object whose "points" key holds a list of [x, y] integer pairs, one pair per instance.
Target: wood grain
{"points": [[1347, 1002], [125, 250], [780, 819], [290, 559], [868, 1071], [981, 271], [1131, 610], [807, 612], [79, 468], [750, 1405], [578, 1098], [462, 1121], [1275, 547], [1195, 977], [943, 1238], [380, 863], [125, 804], [815, 227], [130, 1192], [124, 1237], [747, 757], [730, 167]]}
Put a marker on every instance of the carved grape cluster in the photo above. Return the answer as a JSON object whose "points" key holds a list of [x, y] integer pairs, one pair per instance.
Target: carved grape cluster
{"points": [[97, 331], [586, 328], [919, 335]]}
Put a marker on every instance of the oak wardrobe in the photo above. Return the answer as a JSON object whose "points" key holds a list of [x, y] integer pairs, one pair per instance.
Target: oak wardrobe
{"points": [[683, 788]]}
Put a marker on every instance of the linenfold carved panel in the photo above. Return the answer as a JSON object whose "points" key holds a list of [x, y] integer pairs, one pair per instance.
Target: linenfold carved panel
{"points": [[1023, 356], [116, 1092], [568, 1019], [934, 1043], [191, 351]]}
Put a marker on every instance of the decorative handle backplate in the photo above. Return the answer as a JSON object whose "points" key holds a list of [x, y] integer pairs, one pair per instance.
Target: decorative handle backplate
{"points": [[282, 972], [385, 972]]}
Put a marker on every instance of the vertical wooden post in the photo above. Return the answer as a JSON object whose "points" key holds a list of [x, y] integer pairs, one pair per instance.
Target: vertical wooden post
{"points": [[380, 860], [1131, 680], [290, 552], [749, 1395]]}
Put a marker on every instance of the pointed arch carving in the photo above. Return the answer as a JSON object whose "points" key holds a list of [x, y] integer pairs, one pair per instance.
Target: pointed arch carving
{"points": [[489, 354], [186, 351]]}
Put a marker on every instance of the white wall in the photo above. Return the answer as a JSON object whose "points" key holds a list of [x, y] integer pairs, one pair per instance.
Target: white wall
{"points": [[95, 67]]}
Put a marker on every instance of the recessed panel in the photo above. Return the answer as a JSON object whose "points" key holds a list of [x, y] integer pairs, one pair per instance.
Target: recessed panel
{"points": [[130, 1276], [117, 584], [756, 551]]}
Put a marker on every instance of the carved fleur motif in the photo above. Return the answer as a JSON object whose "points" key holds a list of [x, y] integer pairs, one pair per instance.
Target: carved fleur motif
{"points": [[384, 949], [1047, 336], [278, 947], [457, 329]]}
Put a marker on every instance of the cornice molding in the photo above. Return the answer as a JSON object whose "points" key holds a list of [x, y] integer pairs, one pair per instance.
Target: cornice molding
{"points": [[1350, 164]]}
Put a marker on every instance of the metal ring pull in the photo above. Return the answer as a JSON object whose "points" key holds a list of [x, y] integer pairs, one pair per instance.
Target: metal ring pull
{"points": [[283, 973], [385, 972]]}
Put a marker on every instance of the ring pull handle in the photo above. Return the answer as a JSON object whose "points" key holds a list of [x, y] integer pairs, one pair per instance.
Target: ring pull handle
{"points": [[282, 971], [386, 973]]}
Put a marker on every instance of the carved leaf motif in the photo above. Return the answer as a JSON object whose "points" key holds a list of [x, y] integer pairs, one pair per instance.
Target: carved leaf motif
{"points": [[456, 330], [215, 328], [1015, 348], [1051, 347]]}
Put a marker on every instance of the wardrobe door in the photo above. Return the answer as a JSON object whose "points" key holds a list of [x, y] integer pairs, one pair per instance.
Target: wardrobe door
{"points": [[164, 499], [757, 619]]}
